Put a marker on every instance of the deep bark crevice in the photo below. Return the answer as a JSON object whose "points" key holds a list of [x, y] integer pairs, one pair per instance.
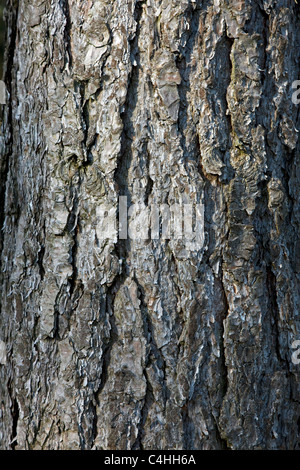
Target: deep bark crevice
{"points": [[107, 350], [121, 176], [153, 355], [225, 382], [183, 63], [274, 312], [40, 260], [12, 31], [228, 43], [67, 32], [73, 256], [15, 418]]}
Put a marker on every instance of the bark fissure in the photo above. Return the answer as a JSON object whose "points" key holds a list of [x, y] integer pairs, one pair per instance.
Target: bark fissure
{"points": [[107, 349], [7, 150], [153, 357], [225, 382], [183, 63], [274, 312], [229, 43], [121, 175], [67, 32], [15, 419], [74, 229]]}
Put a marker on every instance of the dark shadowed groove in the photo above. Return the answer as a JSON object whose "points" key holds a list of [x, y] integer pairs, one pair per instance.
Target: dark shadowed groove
{"points": [[274, 312], [9, 76], [73, 227], [123, 247], [84, 109], [12, 16], [106, 356], [267, 81], [94, 428], [263, 218], [40, 257], [150, 182], [153, 354], [225, 383], [67, 31], [15, 418], [125, 155], [229, 42], [183, 63]]}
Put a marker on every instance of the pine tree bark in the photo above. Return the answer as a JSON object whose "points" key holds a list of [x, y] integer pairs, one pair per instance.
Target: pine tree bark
{"points": [[146, 344]]}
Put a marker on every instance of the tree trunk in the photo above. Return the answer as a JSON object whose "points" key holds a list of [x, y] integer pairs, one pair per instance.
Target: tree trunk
{"points": [[150, 343]]}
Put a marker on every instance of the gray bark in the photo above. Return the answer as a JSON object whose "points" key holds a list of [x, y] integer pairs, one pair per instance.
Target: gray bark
{"points": [[147, 344]]}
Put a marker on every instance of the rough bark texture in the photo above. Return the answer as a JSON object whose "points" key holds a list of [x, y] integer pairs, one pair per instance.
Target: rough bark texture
{"points": [[133, 344]]}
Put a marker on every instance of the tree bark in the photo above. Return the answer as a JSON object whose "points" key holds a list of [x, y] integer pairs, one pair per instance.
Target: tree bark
{"points": [[150, 344]]}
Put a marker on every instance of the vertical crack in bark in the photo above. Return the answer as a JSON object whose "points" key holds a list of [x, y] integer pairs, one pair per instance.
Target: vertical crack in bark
{"points": [[153, 354], [229, 42], [150, 182], [125, 156], [12, 16], [110, 298], [67, 32], [88, 140], [6, 154], [274, 311], [263, 233], [228, 45], [15, 418], [183, 63], [225, 383], [123, 247], [40, 260], [73, 225], [94, 429], [224, 370]]}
